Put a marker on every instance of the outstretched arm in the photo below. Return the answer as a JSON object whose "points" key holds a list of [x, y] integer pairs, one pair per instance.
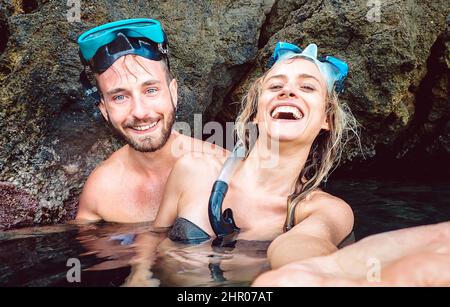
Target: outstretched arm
{"points": [[87, 210], [416, 256], [325, 221]]}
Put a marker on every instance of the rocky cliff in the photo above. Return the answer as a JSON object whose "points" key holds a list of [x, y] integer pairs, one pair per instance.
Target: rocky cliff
{"points": [[51, 137]]}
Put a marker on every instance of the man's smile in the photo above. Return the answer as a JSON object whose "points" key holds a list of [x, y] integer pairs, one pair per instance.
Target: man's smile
{"points": [[142, 129]]}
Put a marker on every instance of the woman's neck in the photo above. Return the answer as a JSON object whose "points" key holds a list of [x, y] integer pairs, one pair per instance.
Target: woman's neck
{"points": [[275, 169]]}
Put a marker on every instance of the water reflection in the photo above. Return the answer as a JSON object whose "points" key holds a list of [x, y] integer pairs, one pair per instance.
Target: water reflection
{"points": [[138, 255], [123, 255], [203, 265]]}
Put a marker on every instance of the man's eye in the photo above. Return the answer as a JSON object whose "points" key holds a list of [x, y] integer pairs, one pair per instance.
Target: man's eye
{"points": [[152, 90], [119, 98]]}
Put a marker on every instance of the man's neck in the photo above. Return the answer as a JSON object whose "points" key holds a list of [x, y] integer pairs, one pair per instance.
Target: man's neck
{"points": [[153, 163]]}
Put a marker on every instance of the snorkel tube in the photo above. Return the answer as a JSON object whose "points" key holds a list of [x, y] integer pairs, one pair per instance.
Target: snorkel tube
{"points": [[223, 224]]}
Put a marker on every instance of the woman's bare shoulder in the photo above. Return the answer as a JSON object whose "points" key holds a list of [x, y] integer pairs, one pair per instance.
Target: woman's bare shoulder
{"points": [[191, 146], [325, 214], [193, 165], [319, 201]]}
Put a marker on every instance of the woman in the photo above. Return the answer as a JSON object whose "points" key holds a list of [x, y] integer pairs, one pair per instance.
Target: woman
{"points": [[301, 126]]}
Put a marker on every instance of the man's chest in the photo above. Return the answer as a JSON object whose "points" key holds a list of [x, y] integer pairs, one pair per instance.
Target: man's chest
{"points": [[133, 203]]}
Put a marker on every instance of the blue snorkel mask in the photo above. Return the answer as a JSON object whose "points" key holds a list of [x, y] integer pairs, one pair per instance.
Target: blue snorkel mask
{"points": [[333, 69], [101, 46]]}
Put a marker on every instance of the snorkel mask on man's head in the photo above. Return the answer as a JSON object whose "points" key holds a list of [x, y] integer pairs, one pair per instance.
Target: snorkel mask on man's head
{"points": [[333, 69], [101, 46]]}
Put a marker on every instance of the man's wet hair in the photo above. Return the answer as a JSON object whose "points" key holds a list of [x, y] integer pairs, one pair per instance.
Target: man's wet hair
{"points": [[164, 62]]}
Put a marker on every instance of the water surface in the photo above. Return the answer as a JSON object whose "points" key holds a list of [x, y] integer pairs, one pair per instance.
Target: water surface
{"points": [[121, 255]]}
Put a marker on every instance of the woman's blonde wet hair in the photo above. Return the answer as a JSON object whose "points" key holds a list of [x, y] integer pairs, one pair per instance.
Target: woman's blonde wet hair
{"points": [[325, 151]]}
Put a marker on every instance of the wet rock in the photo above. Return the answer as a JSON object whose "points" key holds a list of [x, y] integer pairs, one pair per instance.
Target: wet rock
{"points": [[17, 207], [398, 82], [51, 137]]}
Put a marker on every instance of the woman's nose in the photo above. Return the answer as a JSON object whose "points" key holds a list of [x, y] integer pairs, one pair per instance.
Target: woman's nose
{"points": [[287, 92]]}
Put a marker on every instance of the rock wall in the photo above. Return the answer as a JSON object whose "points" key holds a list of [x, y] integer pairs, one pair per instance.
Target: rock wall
{"points": [[398, 86], [51, 137]]}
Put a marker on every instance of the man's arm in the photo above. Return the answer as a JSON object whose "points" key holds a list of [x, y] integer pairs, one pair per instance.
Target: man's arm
{"points": [[325, 221], [87, 210]]}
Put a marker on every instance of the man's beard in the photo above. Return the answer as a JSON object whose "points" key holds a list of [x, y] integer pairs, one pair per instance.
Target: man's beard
{"points": [[149, 143]]}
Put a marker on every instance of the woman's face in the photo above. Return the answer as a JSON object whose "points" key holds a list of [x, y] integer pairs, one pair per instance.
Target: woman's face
{"points": [[291, 106]]}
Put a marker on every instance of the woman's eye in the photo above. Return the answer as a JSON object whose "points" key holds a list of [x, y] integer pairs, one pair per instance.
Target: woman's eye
{"points": [[308, 87], [275, 86]]}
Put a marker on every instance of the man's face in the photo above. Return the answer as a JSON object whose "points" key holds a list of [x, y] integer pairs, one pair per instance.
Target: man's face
{"points": [[138, 101]]}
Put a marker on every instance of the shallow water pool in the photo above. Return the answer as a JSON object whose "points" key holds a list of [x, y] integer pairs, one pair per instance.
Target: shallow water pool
{"points": [[120, 255]]}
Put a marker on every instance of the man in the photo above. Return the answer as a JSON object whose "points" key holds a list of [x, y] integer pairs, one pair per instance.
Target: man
{"points": [[138, 98]]}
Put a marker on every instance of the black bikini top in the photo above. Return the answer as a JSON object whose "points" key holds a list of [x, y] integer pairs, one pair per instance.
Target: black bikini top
{"points": [[184, 231], [223, 225]]}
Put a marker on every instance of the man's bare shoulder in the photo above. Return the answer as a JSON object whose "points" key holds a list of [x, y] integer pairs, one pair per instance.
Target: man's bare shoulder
{"points": [[101, 186], [110, 167], [104, 178]]}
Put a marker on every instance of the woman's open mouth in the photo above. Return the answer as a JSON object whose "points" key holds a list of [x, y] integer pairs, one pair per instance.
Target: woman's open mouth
{"points": [[287, 112]]}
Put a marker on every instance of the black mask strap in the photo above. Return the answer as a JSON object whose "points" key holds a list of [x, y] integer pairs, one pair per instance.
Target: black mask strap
{"points": [[89, 89]]}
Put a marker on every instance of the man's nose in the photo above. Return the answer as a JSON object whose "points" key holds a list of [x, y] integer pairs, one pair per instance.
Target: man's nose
{"points": [[139, 109]]}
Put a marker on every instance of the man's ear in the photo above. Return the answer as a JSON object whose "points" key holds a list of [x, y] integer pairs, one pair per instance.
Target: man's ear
{"points": [[101, 104], [173, 88], [102, 108]]}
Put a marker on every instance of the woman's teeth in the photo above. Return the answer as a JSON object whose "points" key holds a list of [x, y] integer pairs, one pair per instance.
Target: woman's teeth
{"points": [[286, 112], [142, 128]]}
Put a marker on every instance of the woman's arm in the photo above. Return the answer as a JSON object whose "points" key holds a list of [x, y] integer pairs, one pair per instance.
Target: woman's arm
{"points": [[325, 221], [416, 256], [176, 183]]}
